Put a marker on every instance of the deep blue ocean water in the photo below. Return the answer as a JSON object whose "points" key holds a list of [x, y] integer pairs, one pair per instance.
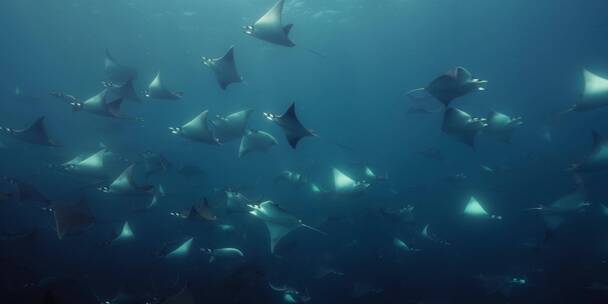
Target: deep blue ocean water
{"points": [[349, 74]]}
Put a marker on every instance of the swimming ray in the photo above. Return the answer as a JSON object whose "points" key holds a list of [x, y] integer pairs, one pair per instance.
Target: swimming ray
{"points": [[72, 219], [89, 166], [557, 212], [455, 83], [191, 214], [74, 160], [155, 163], [197, 213], [122, 90], [126, 233], [26, 193], [369, 173], [278, 221], [598, 159], [34, 134], [153, 202], [173, 251], [233, 126], [502, 126], [372, 176], [237, 202], [270, 27], [401, 245], [125, 185], [101, 105], [291, 126], [292, 178], [204, 209], [157, 90], [224, 69], [475, 209], [461, 126], [427, 234], [256, 141], [116, 72], [343, 184], [315, 189], [197, 130], [595, 94], [227, 252]]}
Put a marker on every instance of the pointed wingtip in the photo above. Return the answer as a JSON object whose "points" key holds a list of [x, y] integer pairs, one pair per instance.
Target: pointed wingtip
{"points": [[291, 111]]}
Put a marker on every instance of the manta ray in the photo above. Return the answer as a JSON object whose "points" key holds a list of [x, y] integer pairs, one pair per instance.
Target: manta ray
{"points": [[595, 94], [122, 90], [157, 90], [428, 235], [102, 104], [270, 27], [461, 126], [557, 212], [291, 125], [455, 83], [231, 127], [502, 126], [255, 140], [343, 184], [174, 250], [237, 202], [401, 245], [197, 213], [197, 130], [87, 166], [125, 185], [475, 209], [292, 178], [227, 252], [27, 193], [116, 72], [34, 134], [598, 158], [224, 69], [72, 219], [125, 233], [155, 163], [278, 221]]}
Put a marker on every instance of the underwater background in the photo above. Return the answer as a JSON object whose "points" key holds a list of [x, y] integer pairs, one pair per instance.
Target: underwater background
{"points": [[349, 74]]}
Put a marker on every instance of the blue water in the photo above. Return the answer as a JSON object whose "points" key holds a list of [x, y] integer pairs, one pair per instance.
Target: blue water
{"points": [[353, 63]]}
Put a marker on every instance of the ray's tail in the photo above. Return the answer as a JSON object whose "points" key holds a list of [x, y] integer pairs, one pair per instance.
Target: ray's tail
{"points": [[417, 94], [557, 119], [314, 229], [315, 52]]}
